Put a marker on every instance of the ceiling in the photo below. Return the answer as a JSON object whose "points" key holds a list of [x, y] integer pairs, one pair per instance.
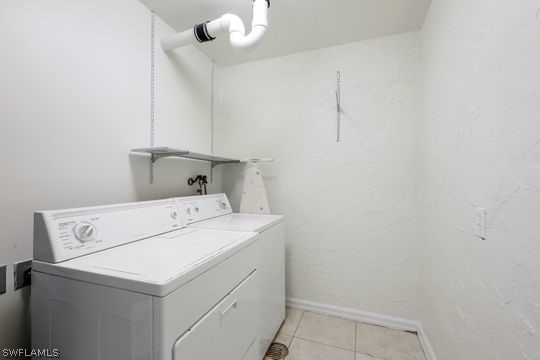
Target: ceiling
{"points": [[297, 25]]}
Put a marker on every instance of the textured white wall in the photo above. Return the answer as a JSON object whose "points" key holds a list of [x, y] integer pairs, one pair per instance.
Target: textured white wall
{"points": [[351, 207], [481, 147], [74, 99]]}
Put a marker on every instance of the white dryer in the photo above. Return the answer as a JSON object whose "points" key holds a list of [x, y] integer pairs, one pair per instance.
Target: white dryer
{"points": [[214, 212], [129, 282]]}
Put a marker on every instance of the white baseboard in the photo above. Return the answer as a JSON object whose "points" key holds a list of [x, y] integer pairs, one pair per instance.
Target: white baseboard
{"points": [[426, 344], [369, 318]]}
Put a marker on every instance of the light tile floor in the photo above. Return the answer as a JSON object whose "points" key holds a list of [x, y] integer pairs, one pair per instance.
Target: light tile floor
{"points": [[311, 336]]}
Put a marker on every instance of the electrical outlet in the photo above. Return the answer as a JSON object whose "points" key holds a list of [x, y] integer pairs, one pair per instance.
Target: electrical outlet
{"points": [[21, 271], [3, 279], [480, 223]]}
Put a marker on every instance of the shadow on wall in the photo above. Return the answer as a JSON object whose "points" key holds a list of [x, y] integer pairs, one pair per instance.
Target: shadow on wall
{"points": [[170, 177], [233, 178], [27, 315], [16, 321], [188, 75]]}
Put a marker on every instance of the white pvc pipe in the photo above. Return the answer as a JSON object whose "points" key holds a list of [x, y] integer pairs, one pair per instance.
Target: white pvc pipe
{"points": [[227, 23], [177, 40]]}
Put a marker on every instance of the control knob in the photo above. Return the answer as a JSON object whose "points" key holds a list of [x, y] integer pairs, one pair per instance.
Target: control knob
{"points": [[85, 232]]}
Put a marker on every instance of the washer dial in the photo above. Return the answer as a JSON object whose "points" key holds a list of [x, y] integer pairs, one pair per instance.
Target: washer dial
{"points": [[85, 232]]}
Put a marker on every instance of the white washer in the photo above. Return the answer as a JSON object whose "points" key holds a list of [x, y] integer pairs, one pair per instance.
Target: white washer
{"points": [[129, 282], [214, 212]]}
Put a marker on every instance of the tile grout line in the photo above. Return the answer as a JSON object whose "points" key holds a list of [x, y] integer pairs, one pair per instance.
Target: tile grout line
{"points": [[317, 342], [320, 343], [298, 325]]}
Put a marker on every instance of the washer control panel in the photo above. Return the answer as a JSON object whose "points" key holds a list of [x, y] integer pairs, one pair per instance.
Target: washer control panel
{"points": [[203, 207], [66, 234]]}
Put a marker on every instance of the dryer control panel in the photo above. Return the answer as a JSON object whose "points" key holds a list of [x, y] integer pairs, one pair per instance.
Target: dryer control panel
{"points": [[203, 207], [65, 234]]}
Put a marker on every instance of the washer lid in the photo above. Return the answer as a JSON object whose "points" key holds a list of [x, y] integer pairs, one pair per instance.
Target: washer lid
{"points": [[240, 222], [154, 266]]}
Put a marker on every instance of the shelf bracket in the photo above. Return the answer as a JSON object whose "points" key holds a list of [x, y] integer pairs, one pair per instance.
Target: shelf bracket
{"points": [[156, 156]]}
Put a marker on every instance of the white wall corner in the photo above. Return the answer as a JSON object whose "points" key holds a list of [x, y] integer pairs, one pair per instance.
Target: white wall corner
{"points": [[367, 317]]}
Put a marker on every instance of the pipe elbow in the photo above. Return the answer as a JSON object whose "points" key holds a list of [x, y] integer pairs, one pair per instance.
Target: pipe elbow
{"points": [[246, 43], [230, 23], [259, 26]]}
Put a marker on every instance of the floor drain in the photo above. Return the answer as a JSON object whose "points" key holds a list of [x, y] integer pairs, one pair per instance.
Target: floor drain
{"points": [[277, 351]]}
